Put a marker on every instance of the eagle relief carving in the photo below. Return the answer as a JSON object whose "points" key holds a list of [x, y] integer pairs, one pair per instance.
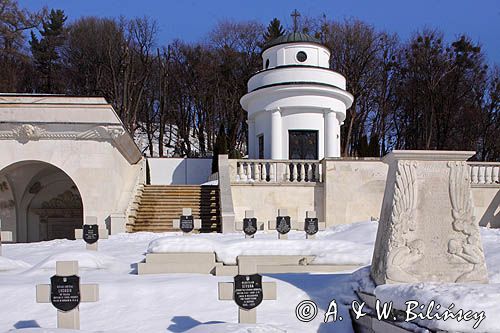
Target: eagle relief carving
{"points": [[404, 248], [466, 243]]}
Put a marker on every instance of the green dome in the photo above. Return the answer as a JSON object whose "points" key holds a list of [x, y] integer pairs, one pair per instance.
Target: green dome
{"points": [[292, 37]]}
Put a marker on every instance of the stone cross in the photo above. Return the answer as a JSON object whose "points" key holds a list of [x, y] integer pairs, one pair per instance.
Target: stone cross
{"points": [[247, 274], [249, 224], [4, 236], [312, 225], [65, 296], [187, 223], [427, 230], [102, 233], [283, 224]]}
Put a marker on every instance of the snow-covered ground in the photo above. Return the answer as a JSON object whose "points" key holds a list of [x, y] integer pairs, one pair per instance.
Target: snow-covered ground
{"points": [[188, 302]]}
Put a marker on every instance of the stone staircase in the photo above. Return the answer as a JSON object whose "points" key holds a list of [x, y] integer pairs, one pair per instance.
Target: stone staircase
{"points": [[156, 206]]}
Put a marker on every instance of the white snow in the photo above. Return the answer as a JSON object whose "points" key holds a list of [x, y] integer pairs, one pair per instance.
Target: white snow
{"points": [[330, 247], [188, 302]]}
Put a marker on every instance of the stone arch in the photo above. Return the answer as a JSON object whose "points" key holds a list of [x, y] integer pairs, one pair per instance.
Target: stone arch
{"points": [[47, 202]]}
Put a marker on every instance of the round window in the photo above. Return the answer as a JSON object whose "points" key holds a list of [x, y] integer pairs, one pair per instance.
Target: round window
{"points": [[267, 63], [301, 56]]}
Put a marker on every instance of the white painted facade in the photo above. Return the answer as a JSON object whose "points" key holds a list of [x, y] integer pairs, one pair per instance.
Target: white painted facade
{"points": [[179, 171], [290, 94], [63, 157]]}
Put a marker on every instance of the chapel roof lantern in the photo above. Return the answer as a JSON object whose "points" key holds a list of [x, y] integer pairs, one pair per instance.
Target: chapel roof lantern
{"points": [[292, 37]]}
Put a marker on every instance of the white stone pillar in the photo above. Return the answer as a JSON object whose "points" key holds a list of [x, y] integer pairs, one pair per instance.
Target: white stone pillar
{"points": [[276, 135], [332, 137], [251, 138]]}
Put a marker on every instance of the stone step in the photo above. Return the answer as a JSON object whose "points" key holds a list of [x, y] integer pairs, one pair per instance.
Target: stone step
{"points": [[162, 221], [158, 205], [177, 210]]}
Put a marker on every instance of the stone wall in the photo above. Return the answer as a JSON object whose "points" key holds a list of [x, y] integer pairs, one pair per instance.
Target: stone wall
{"points": [[486, 201], [265, 199], [354, 189], [349, 191]]}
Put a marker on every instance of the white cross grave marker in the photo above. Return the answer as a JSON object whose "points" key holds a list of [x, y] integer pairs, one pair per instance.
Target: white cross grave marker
{"points": [[312, 225], [249, 225], [91, 233], [283, 224], [65, 292], [4, 236], [187, 223], [248, 291]]}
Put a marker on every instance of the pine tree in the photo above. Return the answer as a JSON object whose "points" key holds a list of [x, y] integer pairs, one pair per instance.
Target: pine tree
{"points": [[274, 30], [46, 50]]}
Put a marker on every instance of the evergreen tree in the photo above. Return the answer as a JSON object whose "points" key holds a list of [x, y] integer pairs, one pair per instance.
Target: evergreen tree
{"points": [[220, 147], [46, 50], [274, 30]]}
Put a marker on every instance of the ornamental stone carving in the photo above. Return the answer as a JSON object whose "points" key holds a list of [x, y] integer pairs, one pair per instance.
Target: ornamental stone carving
{"points": [[27, 132], [427, 232]]}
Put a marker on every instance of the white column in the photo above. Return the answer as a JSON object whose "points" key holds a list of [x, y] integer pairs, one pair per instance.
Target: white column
{"points": [[332, 141], [276, 135], [251, 138]]}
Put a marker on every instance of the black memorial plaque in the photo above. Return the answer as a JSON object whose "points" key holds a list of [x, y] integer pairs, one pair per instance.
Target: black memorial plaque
{"points": [[90, 233], [65, 292], [311, 226], [283, 224], [250, 226], [187, 223], [248, 292]]}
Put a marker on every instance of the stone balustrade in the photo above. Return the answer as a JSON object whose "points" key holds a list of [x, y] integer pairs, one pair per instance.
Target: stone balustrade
{"points": [[276, 171], [485, 173], [213, 176]]}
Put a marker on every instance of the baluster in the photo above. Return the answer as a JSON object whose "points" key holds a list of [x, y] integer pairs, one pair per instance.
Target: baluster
{"points": [[489, 175], [249, 171], [496, 174], [272, 173], [264, 172], [319, 172], [287, 172], [240, 171], [302, 172], [310, 174], [294, 172], [474, 174], [482, 171], [256, 175]]}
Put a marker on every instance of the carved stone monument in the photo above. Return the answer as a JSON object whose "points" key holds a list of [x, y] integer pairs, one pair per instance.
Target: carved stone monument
{"points": [[65, 292], [187, 223], [248, 291], [250, 225], [91, 232], [427, 231]]}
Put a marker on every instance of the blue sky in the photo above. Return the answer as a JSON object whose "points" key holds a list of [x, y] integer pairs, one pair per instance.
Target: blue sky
{"points": [[190, 20]]}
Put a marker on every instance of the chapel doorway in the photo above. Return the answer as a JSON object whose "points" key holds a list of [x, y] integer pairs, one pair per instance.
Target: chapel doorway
{"points": [[302, 145], [44, 202]]}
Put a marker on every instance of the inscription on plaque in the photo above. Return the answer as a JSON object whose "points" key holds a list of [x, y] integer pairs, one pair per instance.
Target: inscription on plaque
{"points": [[187, 223], [248, 292], [65, 292], [311, 226], [283, 224], [250, 226], [90, 233]]}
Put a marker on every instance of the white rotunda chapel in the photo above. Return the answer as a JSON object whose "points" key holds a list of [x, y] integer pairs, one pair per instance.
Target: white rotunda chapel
{"points": [[296, 103]]}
